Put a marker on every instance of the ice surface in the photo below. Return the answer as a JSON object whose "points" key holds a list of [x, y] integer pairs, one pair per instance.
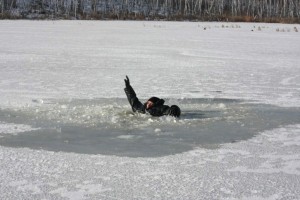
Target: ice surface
{"points": [[76, 59], [46, 66]]}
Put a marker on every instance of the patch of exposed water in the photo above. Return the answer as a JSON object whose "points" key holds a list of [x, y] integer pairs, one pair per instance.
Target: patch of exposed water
{"points": [[108, 126]]}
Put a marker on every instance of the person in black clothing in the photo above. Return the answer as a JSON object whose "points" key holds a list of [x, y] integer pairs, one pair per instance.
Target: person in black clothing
{"points": [[154, 106]]}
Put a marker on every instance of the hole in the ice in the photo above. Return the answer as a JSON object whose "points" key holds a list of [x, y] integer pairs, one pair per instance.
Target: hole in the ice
{"points": [[107, 126]]}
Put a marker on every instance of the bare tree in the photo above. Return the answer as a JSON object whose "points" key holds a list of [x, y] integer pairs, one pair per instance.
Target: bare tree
{"points": [[200, 9]]}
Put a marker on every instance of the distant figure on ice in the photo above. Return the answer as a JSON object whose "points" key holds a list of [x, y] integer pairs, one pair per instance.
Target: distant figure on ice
{"points": [[154, 106]]}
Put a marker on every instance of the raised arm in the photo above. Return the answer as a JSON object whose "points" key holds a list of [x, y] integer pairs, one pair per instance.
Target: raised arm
{"points": [[136, 105]]}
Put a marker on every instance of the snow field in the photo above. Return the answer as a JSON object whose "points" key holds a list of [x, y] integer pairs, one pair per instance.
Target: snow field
{"points": [[89, 59]]}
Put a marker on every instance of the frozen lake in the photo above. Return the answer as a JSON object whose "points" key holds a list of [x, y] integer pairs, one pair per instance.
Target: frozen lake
{"points": [[67, 131]]}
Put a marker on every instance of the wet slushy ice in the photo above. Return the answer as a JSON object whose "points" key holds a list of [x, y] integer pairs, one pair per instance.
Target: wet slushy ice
{"points": [[108, 126]]}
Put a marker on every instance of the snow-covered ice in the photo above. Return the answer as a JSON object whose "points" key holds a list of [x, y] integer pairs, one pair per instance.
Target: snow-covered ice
{"points": [[57, 75]]}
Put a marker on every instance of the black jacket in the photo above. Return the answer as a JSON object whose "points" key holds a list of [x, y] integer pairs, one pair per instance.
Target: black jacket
{"points": [[158, 109]]}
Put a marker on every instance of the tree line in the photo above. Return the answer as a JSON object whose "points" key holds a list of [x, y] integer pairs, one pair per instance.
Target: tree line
{"points": [[217, 10]]}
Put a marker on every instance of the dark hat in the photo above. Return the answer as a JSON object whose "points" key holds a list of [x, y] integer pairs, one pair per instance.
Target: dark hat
{"points": [[154, 99]]}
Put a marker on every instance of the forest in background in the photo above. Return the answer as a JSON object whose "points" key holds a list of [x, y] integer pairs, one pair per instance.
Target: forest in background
{"points": [[285, 11]]}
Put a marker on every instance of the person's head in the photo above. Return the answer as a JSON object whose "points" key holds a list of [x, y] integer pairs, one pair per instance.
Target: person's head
{"points": [[150, 103]]}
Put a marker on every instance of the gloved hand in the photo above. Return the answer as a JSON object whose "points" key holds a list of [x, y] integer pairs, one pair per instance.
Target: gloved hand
{"points": [[127, 83], [174, 111]]}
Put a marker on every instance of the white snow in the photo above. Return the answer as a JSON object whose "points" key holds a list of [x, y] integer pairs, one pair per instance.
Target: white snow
{"points": [[43, 60]]}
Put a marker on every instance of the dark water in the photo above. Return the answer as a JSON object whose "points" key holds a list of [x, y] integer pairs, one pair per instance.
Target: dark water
{"points": [[107, 126]]}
